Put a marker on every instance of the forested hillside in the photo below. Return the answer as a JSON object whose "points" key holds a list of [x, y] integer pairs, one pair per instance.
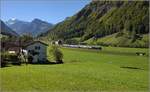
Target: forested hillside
{"points": [[125, 22]]}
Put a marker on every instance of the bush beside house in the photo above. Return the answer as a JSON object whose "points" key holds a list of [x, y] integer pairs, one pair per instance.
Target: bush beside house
{"points": [[56, 54], [9, 58]]}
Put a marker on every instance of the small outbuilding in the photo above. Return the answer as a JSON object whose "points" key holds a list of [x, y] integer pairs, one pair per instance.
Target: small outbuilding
{"points": [[58, 42], [14, 50]]}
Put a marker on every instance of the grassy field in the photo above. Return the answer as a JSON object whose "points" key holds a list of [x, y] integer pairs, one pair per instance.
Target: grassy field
{"points": [[112, 69]]}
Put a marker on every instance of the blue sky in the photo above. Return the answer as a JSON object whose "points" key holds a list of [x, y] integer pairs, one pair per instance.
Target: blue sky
{"points": [[53, 11]]}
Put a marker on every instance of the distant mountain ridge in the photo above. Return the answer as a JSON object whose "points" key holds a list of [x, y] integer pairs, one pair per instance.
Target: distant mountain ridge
{"points": [[128, 20], [5, 30], [35, 27]]}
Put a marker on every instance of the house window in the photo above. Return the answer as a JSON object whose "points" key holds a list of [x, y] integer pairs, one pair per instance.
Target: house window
{"points": [[37, 47], [30, 51]]}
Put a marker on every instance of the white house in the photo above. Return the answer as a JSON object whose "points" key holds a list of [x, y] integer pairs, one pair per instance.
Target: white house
{"points": [[36, 51]]}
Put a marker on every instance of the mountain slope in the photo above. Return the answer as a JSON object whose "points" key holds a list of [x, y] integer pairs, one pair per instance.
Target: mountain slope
{"points": [[129, 19], [35, 27], [112, 40], [5, 30], [18, 25]]}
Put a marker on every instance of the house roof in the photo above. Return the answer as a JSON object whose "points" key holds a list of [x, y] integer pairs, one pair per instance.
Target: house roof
{"points": [[10, 44], [36, 42], [14, 49]]}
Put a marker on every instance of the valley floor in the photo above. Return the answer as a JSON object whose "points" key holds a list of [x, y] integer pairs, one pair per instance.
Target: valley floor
{"points": [[112, 69]]}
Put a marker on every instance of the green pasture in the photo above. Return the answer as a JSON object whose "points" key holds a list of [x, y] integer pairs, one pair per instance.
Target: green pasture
{"points": [[111, 69]]}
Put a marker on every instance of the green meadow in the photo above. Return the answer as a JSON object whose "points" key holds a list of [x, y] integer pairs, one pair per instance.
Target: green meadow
{"points": [[110, 69]]}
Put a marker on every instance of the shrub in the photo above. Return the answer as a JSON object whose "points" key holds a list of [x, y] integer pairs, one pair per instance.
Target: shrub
{"points": [[30, 58], [57, 54], [2, 59], [9, 57]]}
